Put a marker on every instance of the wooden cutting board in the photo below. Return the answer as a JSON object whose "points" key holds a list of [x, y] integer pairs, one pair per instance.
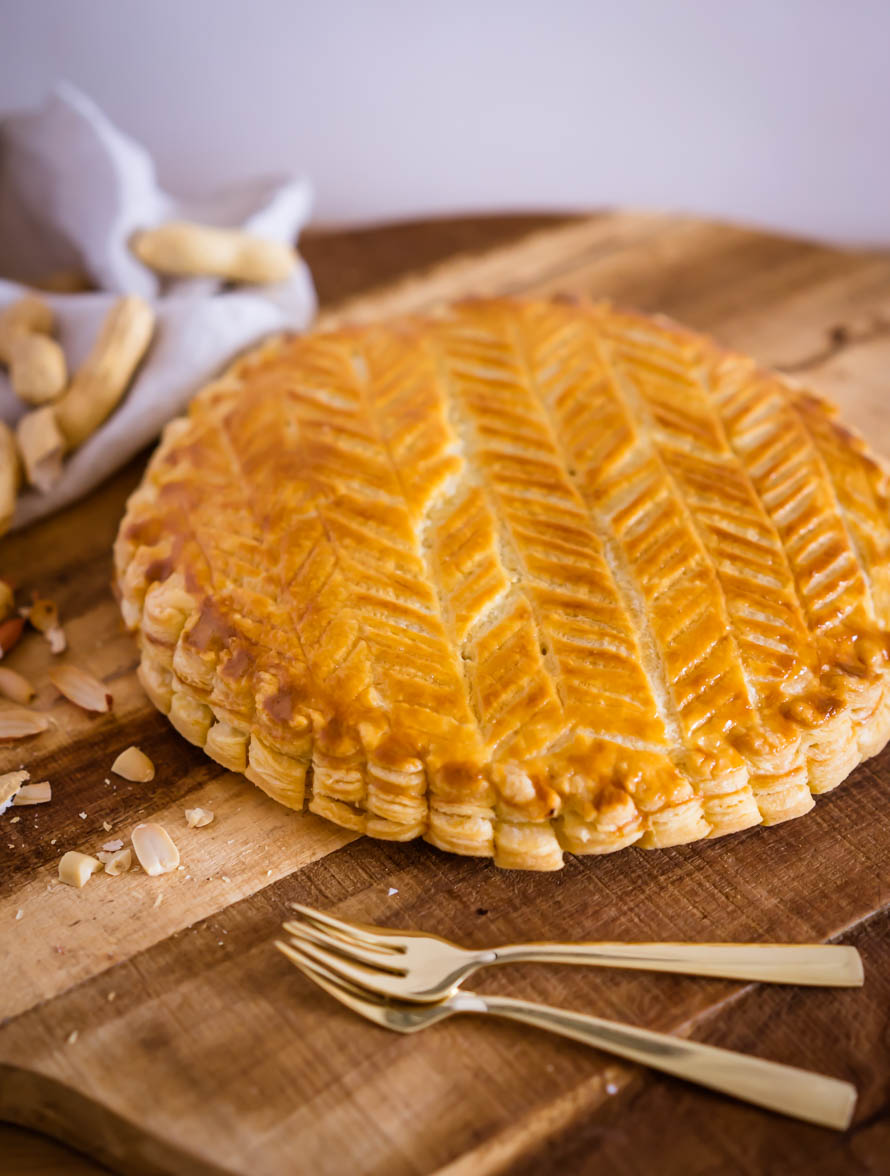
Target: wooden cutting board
{"points": [[149, 1021]]}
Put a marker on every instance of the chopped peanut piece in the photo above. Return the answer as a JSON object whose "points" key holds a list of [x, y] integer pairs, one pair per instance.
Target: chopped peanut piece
{"points": [[18, 723], [7, 599], [39, 793], [10, 631], [117, 862], [43, 613], [76, 869], [10, 784], [155, 849], [16, 687], [134, 764], [197, 817], [81, 688], [112, 846], [56, 639]]}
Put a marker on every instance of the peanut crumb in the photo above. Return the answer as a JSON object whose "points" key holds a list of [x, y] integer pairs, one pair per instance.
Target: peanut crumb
{"points": [[157, 902], [75, 869], [107, 826], [111, 996], [19, 914], [116, 861], [10, 783], [135, 765], [14, 820], [82, 816], [39, 793], [225, 878], [72, 1037], [113, 846], [196, 818]]}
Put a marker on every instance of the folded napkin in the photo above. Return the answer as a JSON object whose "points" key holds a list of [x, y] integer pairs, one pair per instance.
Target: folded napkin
{"points": [[73, 189]]}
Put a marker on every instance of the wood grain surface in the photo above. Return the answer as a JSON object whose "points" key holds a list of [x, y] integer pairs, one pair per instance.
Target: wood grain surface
{"points": [[199, 1049]]}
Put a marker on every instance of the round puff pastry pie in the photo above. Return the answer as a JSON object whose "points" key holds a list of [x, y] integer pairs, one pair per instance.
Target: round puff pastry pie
{"points": [[523, 579]]}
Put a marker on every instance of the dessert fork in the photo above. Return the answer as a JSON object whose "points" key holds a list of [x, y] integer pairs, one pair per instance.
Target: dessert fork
{"points": [[787, 1089], [410, 965]]}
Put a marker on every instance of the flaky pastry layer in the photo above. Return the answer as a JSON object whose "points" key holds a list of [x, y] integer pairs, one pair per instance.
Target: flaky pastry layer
{"points": [[521, 579]]}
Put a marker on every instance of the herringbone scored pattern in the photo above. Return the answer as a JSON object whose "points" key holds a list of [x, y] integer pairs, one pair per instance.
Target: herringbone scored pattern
{"points": [[522, 579]]}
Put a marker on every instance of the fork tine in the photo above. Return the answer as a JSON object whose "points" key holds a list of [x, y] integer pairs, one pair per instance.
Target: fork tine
{"points": [[353, 951], [367, 1005], [358, 974], [347, 930]]}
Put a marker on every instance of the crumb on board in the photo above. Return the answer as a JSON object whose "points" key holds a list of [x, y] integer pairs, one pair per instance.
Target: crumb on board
{"points": [[76, 869], [197, 818], [39, 793], [72, 1037], [10, 783], [19, 914], [116, 861], [154, 848], [133, 764]]}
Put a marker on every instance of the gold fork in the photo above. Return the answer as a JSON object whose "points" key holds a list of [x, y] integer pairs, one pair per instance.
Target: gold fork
{"points": [[787, 1089], [410, 965]]}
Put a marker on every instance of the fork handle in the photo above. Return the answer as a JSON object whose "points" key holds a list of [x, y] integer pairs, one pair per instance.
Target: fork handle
{"points": [[775, 963], [799, 1093]]}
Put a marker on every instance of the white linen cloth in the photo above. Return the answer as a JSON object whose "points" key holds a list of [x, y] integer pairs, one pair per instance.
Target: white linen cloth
{"points": [[73, 189]]}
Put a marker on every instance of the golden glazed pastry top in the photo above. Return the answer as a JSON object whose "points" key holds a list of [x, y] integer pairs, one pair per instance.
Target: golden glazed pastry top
{"points": [[525, 578]]}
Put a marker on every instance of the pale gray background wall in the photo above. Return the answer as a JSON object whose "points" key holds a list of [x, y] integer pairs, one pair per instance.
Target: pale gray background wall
{"points": [[772, 111]]}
